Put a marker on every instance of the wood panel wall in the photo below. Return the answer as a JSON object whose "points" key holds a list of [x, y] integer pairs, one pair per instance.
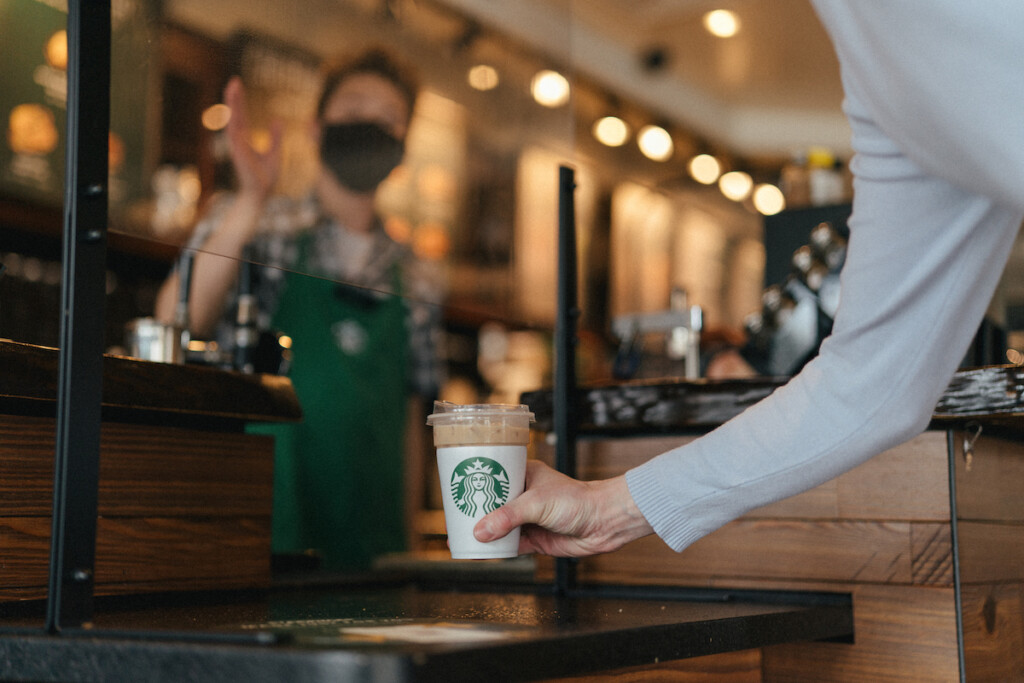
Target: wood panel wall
{"points": [[179, 509], [882, 533]]}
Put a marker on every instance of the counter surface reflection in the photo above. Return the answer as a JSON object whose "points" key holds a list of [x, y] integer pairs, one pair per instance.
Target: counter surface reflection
{"points": [[405, 632]]}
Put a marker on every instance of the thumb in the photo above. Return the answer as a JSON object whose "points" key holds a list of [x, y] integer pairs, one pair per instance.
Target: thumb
{"points": [[499, 523]]}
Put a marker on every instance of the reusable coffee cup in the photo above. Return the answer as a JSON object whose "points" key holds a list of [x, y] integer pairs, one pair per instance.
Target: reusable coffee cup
{"points": [[481, 461]]}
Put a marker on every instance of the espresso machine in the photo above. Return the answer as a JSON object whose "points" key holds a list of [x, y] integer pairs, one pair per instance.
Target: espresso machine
{"points": [[681, 326]]}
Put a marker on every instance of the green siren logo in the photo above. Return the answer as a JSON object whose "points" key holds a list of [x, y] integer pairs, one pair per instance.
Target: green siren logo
{"points": [[479, 486]]}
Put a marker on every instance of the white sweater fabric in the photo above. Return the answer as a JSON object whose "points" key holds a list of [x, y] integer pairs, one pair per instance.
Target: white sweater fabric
{"points": [[935, 97]]}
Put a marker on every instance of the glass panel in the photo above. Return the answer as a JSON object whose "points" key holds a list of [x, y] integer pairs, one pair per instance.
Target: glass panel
{"points": [[457, 243], [33, 115], [33, 118], [404, 292], [427, 290]]}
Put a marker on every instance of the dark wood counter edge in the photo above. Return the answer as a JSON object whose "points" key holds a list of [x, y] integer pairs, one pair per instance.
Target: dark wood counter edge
{"points": [[992, 395], [728, 624], [134, 388], [654, 406], [996, 390]]}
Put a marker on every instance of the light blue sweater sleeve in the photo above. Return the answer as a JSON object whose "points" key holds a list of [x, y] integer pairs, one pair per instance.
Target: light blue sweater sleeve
{"points": [[938, 134]]}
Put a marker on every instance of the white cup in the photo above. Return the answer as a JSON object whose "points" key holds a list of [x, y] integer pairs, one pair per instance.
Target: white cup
{"points": [[481, 462]]}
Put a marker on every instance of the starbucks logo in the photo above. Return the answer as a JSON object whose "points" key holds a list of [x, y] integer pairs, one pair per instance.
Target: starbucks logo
{"points": [[479, 486]]}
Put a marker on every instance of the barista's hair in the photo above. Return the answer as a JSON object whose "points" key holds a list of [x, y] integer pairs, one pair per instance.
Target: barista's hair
{"points": [[375, 61]]}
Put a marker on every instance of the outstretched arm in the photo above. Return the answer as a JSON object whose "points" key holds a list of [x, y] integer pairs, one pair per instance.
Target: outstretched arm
{"points": [[939, 169]]}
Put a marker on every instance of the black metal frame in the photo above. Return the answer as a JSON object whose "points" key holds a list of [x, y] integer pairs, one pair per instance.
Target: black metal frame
{"points": [[70, 583], [566, 433], [80, 373], [955, 551], [565, 353]]}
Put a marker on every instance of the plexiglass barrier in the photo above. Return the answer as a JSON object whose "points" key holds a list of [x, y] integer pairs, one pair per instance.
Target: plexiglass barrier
{"points": [[361, 197]]}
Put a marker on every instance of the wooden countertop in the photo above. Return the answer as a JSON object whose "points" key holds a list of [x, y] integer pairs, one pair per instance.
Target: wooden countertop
{"points": [[993, 395], [406, 633], [135, 390]]}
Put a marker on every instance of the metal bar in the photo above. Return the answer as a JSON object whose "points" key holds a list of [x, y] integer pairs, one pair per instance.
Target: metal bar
{"points": [[564, 413], [955, 541], [701, 594], [80, 371]]}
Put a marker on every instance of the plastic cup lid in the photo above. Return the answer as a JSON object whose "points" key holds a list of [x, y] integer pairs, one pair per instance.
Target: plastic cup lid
{"points": [[446, 410]]}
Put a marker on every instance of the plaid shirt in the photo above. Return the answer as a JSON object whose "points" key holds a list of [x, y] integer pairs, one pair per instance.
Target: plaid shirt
{"points": [[275, 250]]}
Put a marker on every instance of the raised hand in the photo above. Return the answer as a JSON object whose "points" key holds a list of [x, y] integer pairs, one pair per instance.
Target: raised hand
{"points": [[257, 171]]}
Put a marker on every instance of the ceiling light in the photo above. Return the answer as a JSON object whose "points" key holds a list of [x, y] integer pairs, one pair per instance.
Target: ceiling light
{"points": [[550, 88], [655, 143], [56, 50], [736, 185], [704, 168], [611, 131], [722, 23], [483, 77], [216, 116], [768, 199]]}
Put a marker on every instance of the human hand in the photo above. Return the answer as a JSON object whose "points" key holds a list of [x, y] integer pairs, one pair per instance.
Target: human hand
{"points": [[563, 517], [257, 171]]}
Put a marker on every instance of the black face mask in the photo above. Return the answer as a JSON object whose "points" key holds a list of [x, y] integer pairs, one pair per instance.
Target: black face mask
{"points": [[360, 155]]}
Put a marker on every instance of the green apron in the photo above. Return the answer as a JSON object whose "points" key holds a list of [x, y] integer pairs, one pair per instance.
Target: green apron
{"points": [[338, 474]]}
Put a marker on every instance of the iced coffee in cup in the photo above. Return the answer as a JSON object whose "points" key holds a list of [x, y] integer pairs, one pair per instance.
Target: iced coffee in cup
{"points": [[481, 460]]}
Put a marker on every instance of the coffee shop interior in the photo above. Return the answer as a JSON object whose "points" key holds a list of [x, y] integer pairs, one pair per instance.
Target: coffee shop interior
{"points": [[710, 187]]}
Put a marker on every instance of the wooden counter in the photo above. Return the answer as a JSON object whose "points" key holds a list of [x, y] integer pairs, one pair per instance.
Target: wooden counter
{"points": [[918, 551], [141, 391], [406, 633], [184, 494], [184, 505]]}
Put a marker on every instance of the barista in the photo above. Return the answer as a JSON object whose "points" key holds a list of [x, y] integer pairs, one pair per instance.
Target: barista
{"points": [[361, 310]]}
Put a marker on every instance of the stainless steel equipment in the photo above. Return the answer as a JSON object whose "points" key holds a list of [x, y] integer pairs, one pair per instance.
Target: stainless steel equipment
{"points": [[150, 339], [681, 324]]}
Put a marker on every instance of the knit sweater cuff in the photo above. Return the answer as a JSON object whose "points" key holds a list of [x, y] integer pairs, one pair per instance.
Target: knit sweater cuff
{"points": [[660, 511]]}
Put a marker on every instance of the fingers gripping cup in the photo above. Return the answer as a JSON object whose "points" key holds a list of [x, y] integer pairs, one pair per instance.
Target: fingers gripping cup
{"points": [[481, 461]]}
